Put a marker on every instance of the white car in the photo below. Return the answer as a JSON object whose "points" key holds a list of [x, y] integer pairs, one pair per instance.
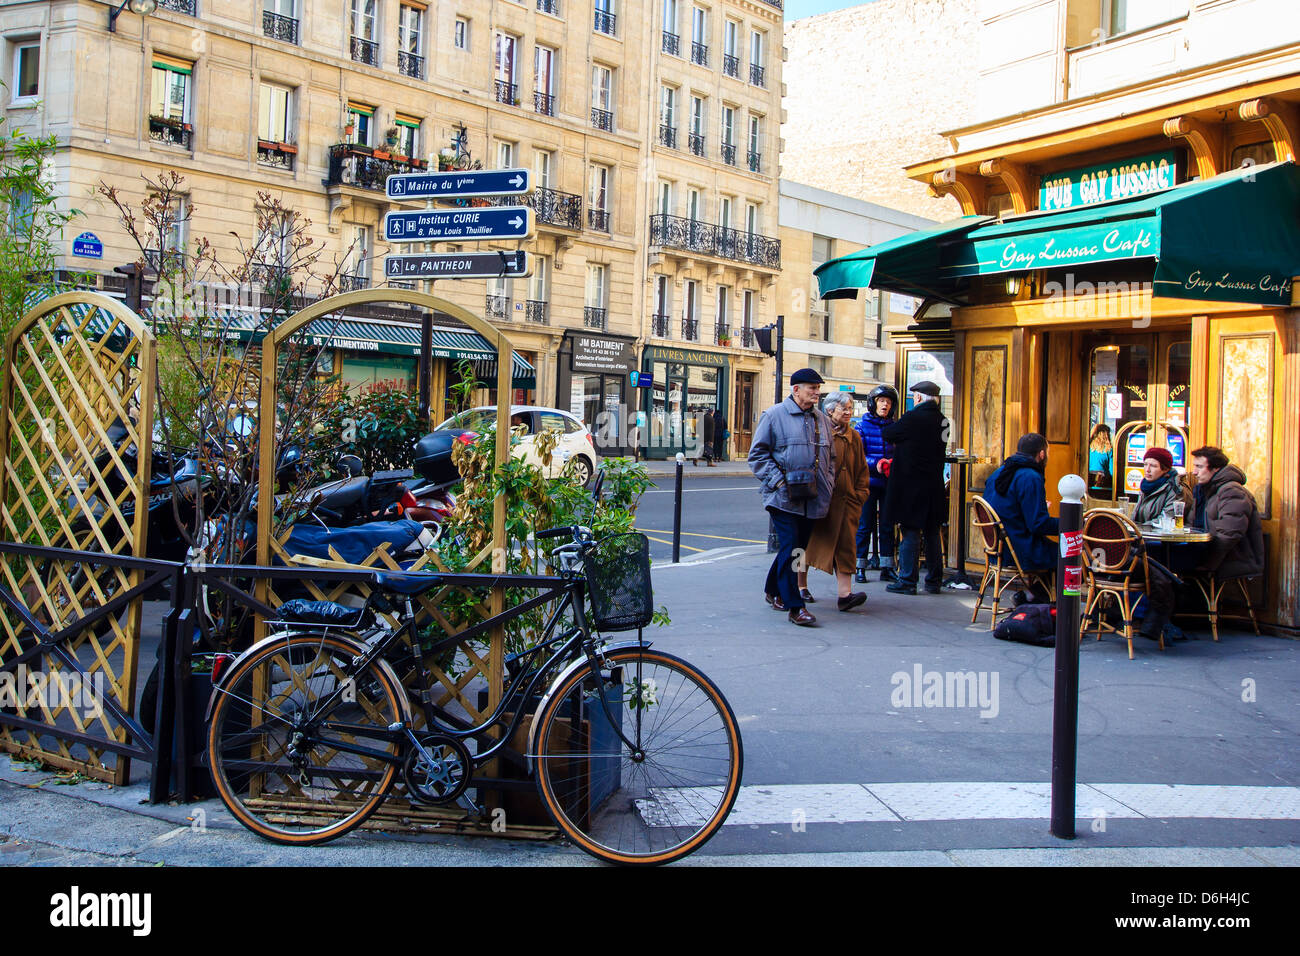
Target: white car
{"points": [[575, 442]]}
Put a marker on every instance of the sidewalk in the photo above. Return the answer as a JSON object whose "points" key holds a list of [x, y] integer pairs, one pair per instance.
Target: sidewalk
{"points": [[696, 468]]}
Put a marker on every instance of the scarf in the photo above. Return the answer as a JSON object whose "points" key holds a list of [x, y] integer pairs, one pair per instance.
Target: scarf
{"points": [[1151, 487], [1009, 469]]}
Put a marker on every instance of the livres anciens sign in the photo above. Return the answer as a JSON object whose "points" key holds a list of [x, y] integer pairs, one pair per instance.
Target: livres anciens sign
{"points": [[1122, 179]]}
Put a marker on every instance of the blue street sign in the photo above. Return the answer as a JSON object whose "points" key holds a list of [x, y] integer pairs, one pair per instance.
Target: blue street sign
{"points": [[458, 265], [459, 225], [87, 244], [469, 182], [643, 380]]}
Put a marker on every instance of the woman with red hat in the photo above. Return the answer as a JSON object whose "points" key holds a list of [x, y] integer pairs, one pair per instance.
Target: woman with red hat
{"points": [[1161, 486]]}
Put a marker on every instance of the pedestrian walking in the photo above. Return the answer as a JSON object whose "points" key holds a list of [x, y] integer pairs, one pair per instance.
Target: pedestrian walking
{"points": [[882, 405], [792, 456], [915, 496], [706, 436], [832, 547], [720, 435]]}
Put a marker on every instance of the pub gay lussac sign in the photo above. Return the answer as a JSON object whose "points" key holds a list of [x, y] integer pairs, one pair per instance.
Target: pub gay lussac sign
{"points": [[1123, 179]]}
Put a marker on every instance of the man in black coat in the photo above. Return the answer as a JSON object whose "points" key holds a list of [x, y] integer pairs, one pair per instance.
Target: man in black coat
{"points": [[914, 497]]}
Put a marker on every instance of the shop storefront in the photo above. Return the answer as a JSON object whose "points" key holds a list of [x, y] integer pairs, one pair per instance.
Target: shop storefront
{"points": [[686, 383], [593, 381]]}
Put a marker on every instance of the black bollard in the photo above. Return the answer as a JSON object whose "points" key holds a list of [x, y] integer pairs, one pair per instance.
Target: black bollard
{"points": [[677, 511], [1065, 702]]}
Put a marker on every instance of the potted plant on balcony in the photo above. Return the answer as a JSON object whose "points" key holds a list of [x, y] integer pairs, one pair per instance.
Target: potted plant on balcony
{"points": [[724, 338], [390, 136]]}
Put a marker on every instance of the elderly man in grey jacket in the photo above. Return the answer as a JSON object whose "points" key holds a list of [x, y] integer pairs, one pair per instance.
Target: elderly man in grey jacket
{"points": [[792, 455]]}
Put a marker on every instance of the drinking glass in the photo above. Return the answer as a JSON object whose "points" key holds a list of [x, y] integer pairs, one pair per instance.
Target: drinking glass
{"points": [[1178, 515]]}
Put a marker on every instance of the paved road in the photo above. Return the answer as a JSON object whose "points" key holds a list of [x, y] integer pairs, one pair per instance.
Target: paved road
{"points": [[717, 512]]}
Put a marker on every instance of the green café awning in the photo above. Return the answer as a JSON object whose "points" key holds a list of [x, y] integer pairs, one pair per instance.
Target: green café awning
{"points": [[1232, 238], [907, 264]]}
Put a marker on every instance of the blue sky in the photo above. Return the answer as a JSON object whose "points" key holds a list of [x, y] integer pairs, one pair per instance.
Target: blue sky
{"points": [[797, 9]]}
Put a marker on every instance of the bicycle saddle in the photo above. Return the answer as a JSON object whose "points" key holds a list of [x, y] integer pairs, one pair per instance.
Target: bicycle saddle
{"points": [[407, 583], [319, 612]]}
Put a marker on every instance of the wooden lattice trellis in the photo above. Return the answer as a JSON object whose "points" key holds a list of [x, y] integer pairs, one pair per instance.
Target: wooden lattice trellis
{"points": [[76, 366]]}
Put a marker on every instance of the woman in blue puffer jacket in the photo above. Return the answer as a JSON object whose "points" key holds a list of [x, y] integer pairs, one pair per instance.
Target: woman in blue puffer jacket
{"points": [[882, 406]]}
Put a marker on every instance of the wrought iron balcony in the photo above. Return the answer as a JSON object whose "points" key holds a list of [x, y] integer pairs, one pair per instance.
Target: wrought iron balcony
{"points": [[605, 22], [659, 325], [667, 136], [410, 64], [696, 143], [722, 333], [747, 338], [365, 51], [731, 65], [537, 311], [755, 161], [279, 28], [188, 7], [353, 165], [690, 235], [691, 330], [353, 282], [507, 93], [279, 155], [551, 206], [672, 43], [544, 103], [170, 131], [728, 151], [497, 307], [598, 219], [549, 6], [774, 3], [700, 53], [161, 261], [756, 75], [594, 318], [602, 119]]}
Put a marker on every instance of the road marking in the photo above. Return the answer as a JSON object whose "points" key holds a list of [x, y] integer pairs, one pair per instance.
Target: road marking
{"points": [[915, 802], [662, 541], [696, 534]]}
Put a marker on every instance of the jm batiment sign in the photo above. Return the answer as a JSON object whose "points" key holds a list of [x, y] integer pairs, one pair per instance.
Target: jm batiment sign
{"points": [[592, 353]]}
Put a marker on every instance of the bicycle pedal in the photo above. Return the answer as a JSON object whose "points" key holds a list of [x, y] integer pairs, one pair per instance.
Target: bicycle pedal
{"points": [[466, 803]]}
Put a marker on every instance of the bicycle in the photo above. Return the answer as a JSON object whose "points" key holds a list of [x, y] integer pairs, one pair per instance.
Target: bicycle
{"points": [[637, 754]]}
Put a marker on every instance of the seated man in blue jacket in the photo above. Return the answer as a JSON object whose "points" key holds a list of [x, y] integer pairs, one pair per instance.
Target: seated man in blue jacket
{"points": [[1018, 494]]}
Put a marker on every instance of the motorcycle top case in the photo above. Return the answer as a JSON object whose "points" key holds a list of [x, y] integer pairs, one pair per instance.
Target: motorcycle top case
{"points": [[433, 456]]}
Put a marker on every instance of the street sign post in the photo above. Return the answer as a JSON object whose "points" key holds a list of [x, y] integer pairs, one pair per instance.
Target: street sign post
{"points": [[459, 225], [457, 185], [458, 265]]}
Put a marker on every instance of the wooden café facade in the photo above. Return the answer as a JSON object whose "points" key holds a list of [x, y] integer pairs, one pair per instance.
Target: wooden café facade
{"points": [[1137, 275]]}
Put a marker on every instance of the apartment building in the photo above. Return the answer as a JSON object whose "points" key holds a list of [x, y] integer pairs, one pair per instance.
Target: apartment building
{"points": [[319, 101]]}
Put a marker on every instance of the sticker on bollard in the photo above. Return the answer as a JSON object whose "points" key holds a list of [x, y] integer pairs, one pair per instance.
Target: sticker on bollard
{"points": [[1073, 576], [1071, 544]]}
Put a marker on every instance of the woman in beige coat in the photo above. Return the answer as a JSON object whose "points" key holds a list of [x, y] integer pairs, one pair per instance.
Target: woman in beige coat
{"points": [[833, 545]]}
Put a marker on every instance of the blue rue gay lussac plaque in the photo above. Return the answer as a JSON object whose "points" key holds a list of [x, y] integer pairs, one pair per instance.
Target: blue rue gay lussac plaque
{"points": [[88, 245]]}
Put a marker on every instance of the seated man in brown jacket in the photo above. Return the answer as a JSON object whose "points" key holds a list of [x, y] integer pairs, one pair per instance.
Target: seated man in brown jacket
{"points": [[1223, 507]]}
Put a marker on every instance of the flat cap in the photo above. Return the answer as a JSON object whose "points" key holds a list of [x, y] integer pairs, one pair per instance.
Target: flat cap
{"points": [[925, 388], [806, 376]]}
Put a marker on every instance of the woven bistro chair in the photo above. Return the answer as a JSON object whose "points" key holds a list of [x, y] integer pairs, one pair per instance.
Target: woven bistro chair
{"points": [[997, 571], [1115, 570], [1211, 587]]}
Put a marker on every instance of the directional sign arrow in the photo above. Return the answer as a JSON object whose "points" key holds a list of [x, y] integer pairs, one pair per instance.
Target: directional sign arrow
{"points": [[464, 183], [459, 225], [457, 265]]}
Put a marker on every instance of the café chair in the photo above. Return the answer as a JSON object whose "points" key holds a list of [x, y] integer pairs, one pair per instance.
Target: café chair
{"points": [[1211, 587], [1114, 562], [996, 547]]}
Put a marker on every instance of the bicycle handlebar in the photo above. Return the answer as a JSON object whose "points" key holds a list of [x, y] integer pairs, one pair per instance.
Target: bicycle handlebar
{"points": [[576, 532]]}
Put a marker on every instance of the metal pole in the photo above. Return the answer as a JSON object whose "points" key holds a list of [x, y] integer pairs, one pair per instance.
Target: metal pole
{"points": [[772, 542], [426, 366], [1065, 703], [677, 511]]}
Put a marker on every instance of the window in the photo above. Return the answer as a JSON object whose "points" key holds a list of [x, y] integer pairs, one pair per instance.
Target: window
{"points": [[1123, 16], [539, 283], [361, 119], [697, 125], [699, 26], [729, 135], [544, 165], [462, 34], [505, 155], [274, 242], [507, 47], [663, 297], [280, 20], [596, 276], [410, 40], [544, 80], [169, 110], [668, 107], [27, 69], [605, 19], [363, 19], [602, 97], [755, 157], [819, 319], [747, 317], [731, 48], [499, 297], [598, 198], [356, 264], [724, 212], [693, 205], [751, 218], [757, 44], [20, 212], [408, 136], [724, 307], [173, 223], [690, 310], [665, 199], [670, 38], [273, 116]]}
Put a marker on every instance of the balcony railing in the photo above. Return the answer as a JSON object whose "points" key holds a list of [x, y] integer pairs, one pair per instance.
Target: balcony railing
{"points": [[598, 219], [507, 93], [605, 22], [696, 143], [774, 3], [365, 51], [756, 75], [672, 43], [170, 131], [497, 307], [691, 330], [602, 119], [552, 206], [351, 283], [659, 325], [544, 103], [728, 152], [187, 7], [279, 28], [747, 338], [700, 53], [690, 235], [170, 260], [410, 64], [731, 65], [593, 318], [536, 311], [667, 136], [353, 165], [549, 6], [722, 333], [755, 160], [279, 155]]}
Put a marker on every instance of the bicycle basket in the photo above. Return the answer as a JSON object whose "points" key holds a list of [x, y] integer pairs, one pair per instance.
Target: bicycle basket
{"points": [[618, 580]]}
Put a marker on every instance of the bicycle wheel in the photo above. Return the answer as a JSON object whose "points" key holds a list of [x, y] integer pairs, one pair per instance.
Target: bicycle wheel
{"points": [[652, 803], [284, 735]]}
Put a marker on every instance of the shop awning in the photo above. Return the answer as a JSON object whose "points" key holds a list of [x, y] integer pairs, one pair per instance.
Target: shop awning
{"points": [[907, 264], [1232, 238]]}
